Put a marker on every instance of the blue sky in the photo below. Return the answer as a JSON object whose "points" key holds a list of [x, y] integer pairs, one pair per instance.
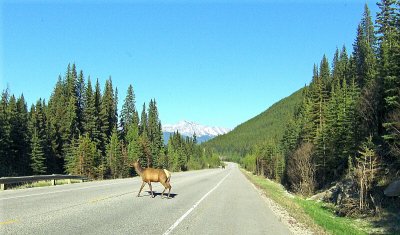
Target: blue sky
{"points": [[217, 63]]}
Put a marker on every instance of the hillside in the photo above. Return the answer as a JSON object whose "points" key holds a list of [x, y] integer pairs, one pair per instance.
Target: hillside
{"points": [[270, 124]]}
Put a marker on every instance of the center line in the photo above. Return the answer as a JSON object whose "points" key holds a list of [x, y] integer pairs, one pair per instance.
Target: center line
{"points": [[8, 222], [169, 230]]}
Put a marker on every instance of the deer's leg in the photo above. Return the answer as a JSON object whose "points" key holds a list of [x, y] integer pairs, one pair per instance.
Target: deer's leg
{"points": [[141, 188], [169, 188], [162, 194], [151, 190], [165, 187]]}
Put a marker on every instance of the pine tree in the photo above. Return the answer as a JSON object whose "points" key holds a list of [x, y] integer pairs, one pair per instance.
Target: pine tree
{"points": [[97, 135], [154, 131], [364, 50], [307, 120], [13, 120], [80, 90], [128, 111], [84, 158], [37, 156], [107, 113], [19, 135], [71, 162], [143, 121], [70, 126], [115, 117], [333, 124], [144, 151], [324, 70], [340, 66], [279, 167], [125, 162], [89, 109], [25, 135], [56, 113], [113, 155], [5, 128], [132, 139], [389, 69], [39, 124]]}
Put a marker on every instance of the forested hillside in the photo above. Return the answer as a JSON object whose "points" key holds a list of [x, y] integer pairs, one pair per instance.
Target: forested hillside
{"points": [[80, 131], [346, 127], [269, 125]]}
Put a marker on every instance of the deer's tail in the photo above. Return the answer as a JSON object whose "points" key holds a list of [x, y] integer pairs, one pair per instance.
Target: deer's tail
{"points": [[168, 174]]}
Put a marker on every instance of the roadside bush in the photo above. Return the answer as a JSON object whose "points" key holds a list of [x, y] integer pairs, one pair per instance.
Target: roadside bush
{"points": [[301, 170]]}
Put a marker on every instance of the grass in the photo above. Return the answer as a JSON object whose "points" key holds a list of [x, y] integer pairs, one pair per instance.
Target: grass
{"points": [[43, 183], [325, 217], [317, 216]]}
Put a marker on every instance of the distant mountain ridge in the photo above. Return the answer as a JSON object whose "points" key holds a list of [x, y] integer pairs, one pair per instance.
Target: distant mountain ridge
{"points": [[268, 125], [188, 128]]}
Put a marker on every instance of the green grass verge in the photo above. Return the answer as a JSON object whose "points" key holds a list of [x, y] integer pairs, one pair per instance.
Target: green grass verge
{"points": [[44, 183], [325, 217], [317, 216]]}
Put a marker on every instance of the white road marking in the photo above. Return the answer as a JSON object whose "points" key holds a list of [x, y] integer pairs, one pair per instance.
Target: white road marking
{"points": [[169, 230], [60, 191]]}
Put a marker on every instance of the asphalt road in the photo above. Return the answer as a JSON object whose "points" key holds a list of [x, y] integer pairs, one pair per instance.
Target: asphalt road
{"points": [[214, 201]]}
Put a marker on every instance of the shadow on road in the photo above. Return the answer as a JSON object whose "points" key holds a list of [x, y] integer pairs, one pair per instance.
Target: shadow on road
{"points": [[171, 195]]}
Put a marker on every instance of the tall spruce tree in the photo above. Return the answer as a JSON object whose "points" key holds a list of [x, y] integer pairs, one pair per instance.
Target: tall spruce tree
{"points": [[389, 70], [19, 135], [154, 132], [143, 121], [56, 112], [113, 155], [39, 124], [89, 109], [132, 139], [25, 135], [37, 156], [364, 50], [5, 128], [97, 136], [80, 91], [107, 113], [128, 111]]}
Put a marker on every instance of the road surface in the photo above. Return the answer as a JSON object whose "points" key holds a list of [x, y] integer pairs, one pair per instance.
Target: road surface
{"points": [[212, 201]]}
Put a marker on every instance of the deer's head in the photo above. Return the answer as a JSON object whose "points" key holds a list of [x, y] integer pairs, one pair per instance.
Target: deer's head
{"points": [[136, 163]]}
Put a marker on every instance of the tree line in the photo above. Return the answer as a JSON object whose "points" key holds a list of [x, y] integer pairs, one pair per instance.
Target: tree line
{"points": [[348, 124], [80, 131]]}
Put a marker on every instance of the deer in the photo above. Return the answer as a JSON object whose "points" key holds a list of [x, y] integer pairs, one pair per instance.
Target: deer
{"points": [[153, 175]]}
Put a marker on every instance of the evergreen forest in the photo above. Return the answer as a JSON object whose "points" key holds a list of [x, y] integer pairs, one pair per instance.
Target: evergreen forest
{"points": [[79, 131], [345, 125]]}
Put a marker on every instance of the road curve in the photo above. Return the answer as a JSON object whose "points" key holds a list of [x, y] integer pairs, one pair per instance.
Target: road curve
{"points": [[212, 201]]}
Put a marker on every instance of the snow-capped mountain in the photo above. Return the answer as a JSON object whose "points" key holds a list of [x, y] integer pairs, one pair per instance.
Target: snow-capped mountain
{"points": [[186, 128]]}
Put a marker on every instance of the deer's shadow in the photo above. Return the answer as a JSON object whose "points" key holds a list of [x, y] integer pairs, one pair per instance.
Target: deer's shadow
{"points": [[171, 195]]}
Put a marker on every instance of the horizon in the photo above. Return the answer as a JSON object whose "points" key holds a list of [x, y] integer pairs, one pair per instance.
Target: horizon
{"points": [[217, 64]]}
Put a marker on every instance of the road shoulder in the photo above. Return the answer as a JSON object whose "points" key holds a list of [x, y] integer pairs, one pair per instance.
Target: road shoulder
{"points": [[284, 216]]}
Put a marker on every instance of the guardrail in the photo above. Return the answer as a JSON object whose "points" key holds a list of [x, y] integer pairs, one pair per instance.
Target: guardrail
{"points": [[4, 181]]}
